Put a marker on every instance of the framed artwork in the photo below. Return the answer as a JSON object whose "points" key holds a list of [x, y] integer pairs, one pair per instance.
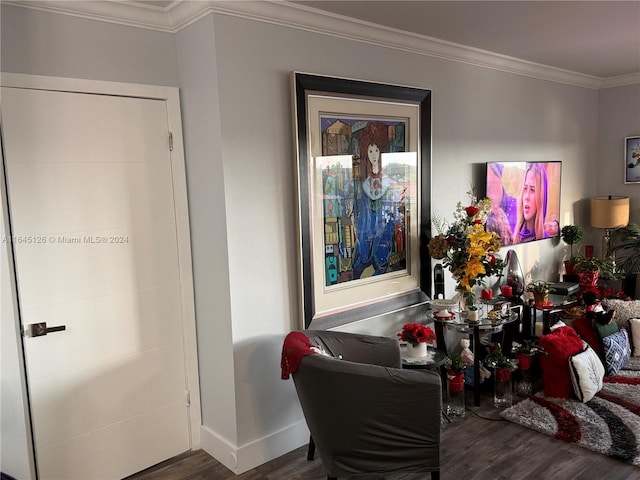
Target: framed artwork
{"points": [[632, 160], [363, 155]]}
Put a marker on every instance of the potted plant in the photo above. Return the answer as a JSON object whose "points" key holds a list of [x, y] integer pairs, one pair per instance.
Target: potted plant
{"points": [[590, 269], [625, 245], [455, 365], [524, 353], [540, 290], [571, 235], [503, 367]]}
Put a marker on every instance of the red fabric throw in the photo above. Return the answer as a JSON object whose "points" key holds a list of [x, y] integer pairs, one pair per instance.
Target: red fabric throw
{"points": [[560, 344], [584, 326], [296, 345]]}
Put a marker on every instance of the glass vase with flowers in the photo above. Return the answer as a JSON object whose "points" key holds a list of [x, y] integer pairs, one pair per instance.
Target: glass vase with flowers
{"points": [[467, 249]]}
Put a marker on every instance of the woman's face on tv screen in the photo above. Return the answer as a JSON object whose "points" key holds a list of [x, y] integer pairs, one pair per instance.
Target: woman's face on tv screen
{"points": [[529, 197]]}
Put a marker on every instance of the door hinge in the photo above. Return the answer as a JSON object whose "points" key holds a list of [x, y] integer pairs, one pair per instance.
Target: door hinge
{"points": [[170, 142], [187, 395]]}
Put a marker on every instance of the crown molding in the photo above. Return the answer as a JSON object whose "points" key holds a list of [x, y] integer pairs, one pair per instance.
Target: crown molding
{"points": [[180, 14], [621, 80]]}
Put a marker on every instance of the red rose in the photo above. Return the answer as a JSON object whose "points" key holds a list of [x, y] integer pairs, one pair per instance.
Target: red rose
{"points": [[478, 222], [471, 210], [492, 259]]}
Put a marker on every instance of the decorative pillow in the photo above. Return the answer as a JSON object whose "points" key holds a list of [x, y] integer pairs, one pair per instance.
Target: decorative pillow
{"points": [[635, 335], [616, 351], [585, 328], [559, 345], [587, 373], [606, 329], [624, 309]]}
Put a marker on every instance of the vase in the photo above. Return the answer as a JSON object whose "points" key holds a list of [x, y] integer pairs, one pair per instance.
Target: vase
{"points": [[540, 298], [512, 274], [455, 394], [570, 267], [524, 382], [588, 280], [420, 350], [503, 388]]}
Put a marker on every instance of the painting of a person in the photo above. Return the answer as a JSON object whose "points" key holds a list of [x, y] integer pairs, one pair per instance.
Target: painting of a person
{"points": [[375, 225], [532, 207]]}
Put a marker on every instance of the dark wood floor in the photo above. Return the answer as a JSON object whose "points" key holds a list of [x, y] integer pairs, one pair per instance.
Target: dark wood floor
{"points": [[480, 445]]}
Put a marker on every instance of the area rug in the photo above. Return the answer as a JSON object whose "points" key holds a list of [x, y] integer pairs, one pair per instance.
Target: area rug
{"points": [[608, 424]]}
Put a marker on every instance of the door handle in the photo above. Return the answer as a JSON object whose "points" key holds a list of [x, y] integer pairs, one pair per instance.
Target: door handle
{"points": [[40, 329]]}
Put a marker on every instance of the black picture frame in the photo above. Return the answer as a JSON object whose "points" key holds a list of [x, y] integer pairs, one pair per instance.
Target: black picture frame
{"points": [[311, 94]]}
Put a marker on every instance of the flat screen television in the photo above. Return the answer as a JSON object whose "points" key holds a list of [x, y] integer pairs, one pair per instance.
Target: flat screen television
{"points": [[525, 200]]}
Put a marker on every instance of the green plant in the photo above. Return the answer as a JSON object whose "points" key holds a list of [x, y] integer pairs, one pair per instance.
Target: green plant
{"points": [[455, 363], [497, 359], [605, 266], [571, 235], [538, 286], [625, 245], [528, 347]]}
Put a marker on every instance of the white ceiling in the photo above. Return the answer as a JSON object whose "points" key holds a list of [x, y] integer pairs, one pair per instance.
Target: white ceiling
{"points": [[600, 38]]}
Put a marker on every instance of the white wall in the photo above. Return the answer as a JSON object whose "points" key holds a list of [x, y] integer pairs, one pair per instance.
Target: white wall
{"points": [[618, 117], [234, 76], [207, 211], [42, 43]]}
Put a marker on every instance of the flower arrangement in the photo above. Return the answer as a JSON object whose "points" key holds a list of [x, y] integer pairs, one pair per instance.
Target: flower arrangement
{"points": [[415, 333], [466, 248]]}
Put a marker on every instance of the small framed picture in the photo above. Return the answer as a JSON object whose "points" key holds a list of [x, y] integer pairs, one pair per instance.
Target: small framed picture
{"points": [[632, 160]]}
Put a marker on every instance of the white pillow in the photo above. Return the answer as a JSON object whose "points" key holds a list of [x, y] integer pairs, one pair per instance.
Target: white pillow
{"points": [[635, 335], [587, 373]]}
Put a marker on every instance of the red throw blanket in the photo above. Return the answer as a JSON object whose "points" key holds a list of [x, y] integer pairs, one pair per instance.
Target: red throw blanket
{"points": [[296, 345]]}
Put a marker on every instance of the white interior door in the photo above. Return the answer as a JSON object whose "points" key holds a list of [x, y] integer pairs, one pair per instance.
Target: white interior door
{"points": [[92, 209]]}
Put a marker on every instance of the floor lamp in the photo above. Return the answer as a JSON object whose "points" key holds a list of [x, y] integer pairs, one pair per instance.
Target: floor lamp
{"points": [[609, 212]]}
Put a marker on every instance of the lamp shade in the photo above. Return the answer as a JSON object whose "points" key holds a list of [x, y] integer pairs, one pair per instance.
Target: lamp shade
{"points": [[609, 212]]}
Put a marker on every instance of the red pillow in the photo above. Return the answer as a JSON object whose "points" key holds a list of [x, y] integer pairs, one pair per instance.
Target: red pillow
{"points": [[584, 326], [559, 345]]}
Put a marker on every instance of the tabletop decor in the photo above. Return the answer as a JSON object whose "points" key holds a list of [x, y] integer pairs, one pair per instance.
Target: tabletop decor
{"points": [[540, 290], [571, 235], [363, 184], [524, 353], [503, 367], [466, 248], [417, 336], [455, 365]]}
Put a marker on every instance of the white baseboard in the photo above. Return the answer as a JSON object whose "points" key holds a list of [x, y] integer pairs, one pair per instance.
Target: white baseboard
{"points": [[256, 453]]}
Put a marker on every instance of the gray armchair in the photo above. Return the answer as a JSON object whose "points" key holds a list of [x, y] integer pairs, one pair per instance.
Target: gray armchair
{"points": [[366, 414]]}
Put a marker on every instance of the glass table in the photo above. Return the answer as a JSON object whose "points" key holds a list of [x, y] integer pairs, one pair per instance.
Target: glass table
{"points": [[557, 304], [506, 324]]}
